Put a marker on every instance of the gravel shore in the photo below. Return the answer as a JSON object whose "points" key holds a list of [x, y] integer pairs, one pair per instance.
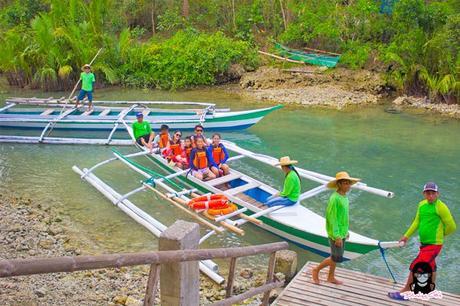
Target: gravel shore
{"points": [[30, 229]]}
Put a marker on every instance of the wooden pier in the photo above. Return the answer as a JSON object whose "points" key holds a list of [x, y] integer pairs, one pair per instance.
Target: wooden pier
{"points": [[358, 289]]}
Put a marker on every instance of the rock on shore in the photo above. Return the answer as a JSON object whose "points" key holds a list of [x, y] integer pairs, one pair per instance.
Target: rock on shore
{"points": [[30, 229], [450, 110], [314, 86]]}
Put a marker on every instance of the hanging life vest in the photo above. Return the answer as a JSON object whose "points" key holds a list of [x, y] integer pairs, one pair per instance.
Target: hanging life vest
{"points": [[218, 154], [201, 160], [176, 148], [164, 140]]}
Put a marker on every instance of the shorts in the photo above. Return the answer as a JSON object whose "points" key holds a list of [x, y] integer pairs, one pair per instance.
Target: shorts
{"points": [[277, 201], [202, 171], [84, 93], [428, 254], [336, 252], [145, 137]]}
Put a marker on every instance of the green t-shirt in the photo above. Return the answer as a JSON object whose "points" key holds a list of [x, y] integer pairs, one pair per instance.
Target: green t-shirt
{"points": [[433, 221], [87, 80], [337, 216], [291, 189], [141, 129]]}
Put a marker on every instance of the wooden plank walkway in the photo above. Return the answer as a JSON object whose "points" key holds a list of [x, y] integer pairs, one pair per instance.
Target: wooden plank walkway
{"points": [[358, 289]]}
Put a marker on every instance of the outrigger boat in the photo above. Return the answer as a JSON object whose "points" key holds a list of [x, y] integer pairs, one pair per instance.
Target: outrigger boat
{"points": [[296, 223], [49, 114]]}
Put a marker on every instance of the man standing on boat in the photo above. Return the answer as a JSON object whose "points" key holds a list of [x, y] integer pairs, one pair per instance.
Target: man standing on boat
{"points": [[336, 225], [87, 84], [433, 221], [143, 132]]}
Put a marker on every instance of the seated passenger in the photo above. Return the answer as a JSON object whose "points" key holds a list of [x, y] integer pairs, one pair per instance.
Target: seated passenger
{"points": [[174, 153], [143, 132], [291, 190], [161, 141], [201, 161], [199, 129], [219, 154], [187, 149]]}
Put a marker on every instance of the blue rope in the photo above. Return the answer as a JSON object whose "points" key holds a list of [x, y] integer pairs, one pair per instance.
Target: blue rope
{"points": [[382, 252]]}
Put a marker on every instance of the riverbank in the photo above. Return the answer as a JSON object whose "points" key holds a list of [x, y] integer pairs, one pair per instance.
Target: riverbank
{"points": [[31, 229]]}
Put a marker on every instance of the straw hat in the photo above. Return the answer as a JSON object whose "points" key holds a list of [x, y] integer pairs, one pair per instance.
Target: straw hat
{"points": [[342, 175], [86, 66], [286, 161]]}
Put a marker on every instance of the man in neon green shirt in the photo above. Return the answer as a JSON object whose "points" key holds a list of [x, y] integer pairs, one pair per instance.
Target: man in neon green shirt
{"points": [[433, 221], [336, 225], [143, 132], [291, 189], [87, 83]]}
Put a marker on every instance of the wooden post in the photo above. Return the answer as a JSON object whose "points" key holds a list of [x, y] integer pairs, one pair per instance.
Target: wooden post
{"points": [[152, 283], [270, 277], [231, 277], [179, 282]]}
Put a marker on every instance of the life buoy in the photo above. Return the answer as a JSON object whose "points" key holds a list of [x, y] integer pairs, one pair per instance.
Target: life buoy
{"points": [[213, 204], [222, 211], [209, 197]]}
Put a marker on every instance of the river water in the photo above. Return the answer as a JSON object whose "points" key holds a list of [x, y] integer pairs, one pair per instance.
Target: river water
{"points": [[397, 152]]}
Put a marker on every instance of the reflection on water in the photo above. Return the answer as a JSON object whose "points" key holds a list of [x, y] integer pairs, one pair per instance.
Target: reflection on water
{"points": [[397, 152]]}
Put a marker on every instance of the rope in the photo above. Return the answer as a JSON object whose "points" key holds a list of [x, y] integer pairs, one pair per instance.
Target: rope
{"points": [[382, 252], [155, 175]]}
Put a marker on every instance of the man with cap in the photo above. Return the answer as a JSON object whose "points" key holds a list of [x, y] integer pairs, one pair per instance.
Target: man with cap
{"points": [[87, 83], [433, 221], [337, 215], [143, 132], [291, 189]]}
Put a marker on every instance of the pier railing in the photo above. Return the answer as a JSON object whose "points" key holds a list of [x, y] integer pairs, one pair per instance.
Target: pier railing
{"points": [[171, 259]]}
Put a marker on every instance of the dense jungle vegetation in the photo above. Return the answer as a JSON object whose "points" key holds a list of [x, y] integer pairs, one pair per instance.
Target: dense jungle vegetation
{"points": [[176, 44]]}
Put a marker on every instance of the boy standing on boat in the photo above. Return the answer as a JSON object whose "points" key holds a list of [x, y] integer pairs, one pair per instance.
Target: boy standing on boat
{"points": [[337, 214], [143, 132], [87, 84], [433, 221]]}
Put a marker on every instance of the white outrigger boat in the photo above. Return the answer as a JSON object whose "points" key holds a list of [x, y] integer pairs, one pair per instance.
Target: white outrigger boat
{"points": [[296, 223], [49, 114]]}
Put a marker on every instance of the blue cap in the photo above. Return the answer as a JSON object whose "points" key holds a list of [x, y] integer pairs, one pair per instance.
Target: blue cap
{"points": [[139, 114], [430, 186]]}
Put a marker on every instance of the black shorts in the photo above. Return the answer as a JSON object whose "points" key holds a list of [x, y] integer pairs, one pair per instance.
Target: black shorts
{"points": [[145, 137], [336, 252]]}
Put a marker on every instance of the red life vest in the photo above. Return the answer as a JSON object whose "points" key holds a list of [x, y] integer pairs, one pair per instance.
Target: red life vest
{"points": [[176, 148], [218, 154], [187, 152], [164, 140], [201, 160]]}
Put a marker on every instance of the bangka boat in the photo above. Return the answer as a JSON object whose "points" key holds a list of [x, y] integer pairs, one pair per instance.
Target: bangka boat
{"points": [[312, 56], [49, 114], [296, 223]]}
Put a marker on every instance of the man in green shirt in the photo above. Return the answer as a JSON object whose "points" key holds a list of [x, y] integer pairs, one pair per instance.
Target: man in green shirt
{"points": [[87, 83], [143, 132], [336, 225], [433, 221], [291, 189]]}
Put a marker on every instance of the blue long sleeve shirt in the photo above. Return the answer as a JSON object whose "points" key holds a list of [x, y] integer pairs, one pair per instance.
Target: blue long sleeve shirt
{"points": [[208, 157], [224, 150]]}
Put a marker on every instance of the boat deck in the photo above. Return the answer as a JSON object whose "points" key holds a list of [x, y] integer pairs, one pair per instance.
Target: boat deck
{"points": [[240, 195], [358, 289]]}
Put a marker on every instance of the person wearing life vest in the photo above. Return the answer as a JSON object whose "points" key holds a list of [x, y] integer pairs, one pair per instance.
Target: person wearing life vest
{"points": [[161, 141], [187, 150], [201, 161], [219, 155], [174, 152]]}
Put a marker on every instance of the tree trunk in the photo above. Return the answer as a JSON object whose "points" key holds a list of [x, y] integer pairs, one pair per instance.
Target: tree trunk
{"points": [[284, 14], [185, 8], [152, 16]]}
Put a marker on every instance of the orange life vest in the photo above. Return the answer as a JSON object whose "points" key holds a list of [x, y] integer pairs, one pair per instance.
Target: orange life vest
{"points": [[201, 160], [164, 140], [218, 154], [176, 148], [187, 152]]}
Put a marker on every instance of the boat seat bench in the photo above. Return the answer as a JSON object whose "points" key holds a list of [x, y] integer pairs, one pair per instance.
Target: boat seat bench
{"points": [[242, 188], [224, 179], [47, 112], [105, 112]]}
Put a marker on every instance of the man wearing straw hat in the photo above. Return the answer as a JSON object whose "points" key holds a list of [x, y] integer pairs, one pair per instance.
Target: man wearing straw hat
{"points": [[336, 225], [291, 189], [87, 83]]}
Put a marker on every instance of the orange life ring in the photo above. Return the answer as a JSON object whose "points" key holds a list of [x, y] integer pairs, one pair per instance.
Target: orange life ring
{"points": [[222, 211], [212, 204], [208, 197]]}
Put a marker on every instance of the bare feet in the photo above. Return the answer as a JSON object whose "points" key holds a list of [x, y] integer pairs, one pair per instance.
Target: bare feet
{"points": [[315, 275], [334, 281]]}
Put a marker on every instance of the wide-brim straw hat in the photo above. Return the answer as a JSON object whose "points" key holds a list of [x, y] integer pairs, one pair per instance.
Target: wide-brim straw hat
{"points": [[342, 175], [286, 161], [86, 66]]}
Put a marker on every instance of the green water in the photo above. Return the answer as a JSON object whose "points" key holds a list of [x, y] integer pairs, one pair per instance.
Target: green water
{"points": [[397, 152]]}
